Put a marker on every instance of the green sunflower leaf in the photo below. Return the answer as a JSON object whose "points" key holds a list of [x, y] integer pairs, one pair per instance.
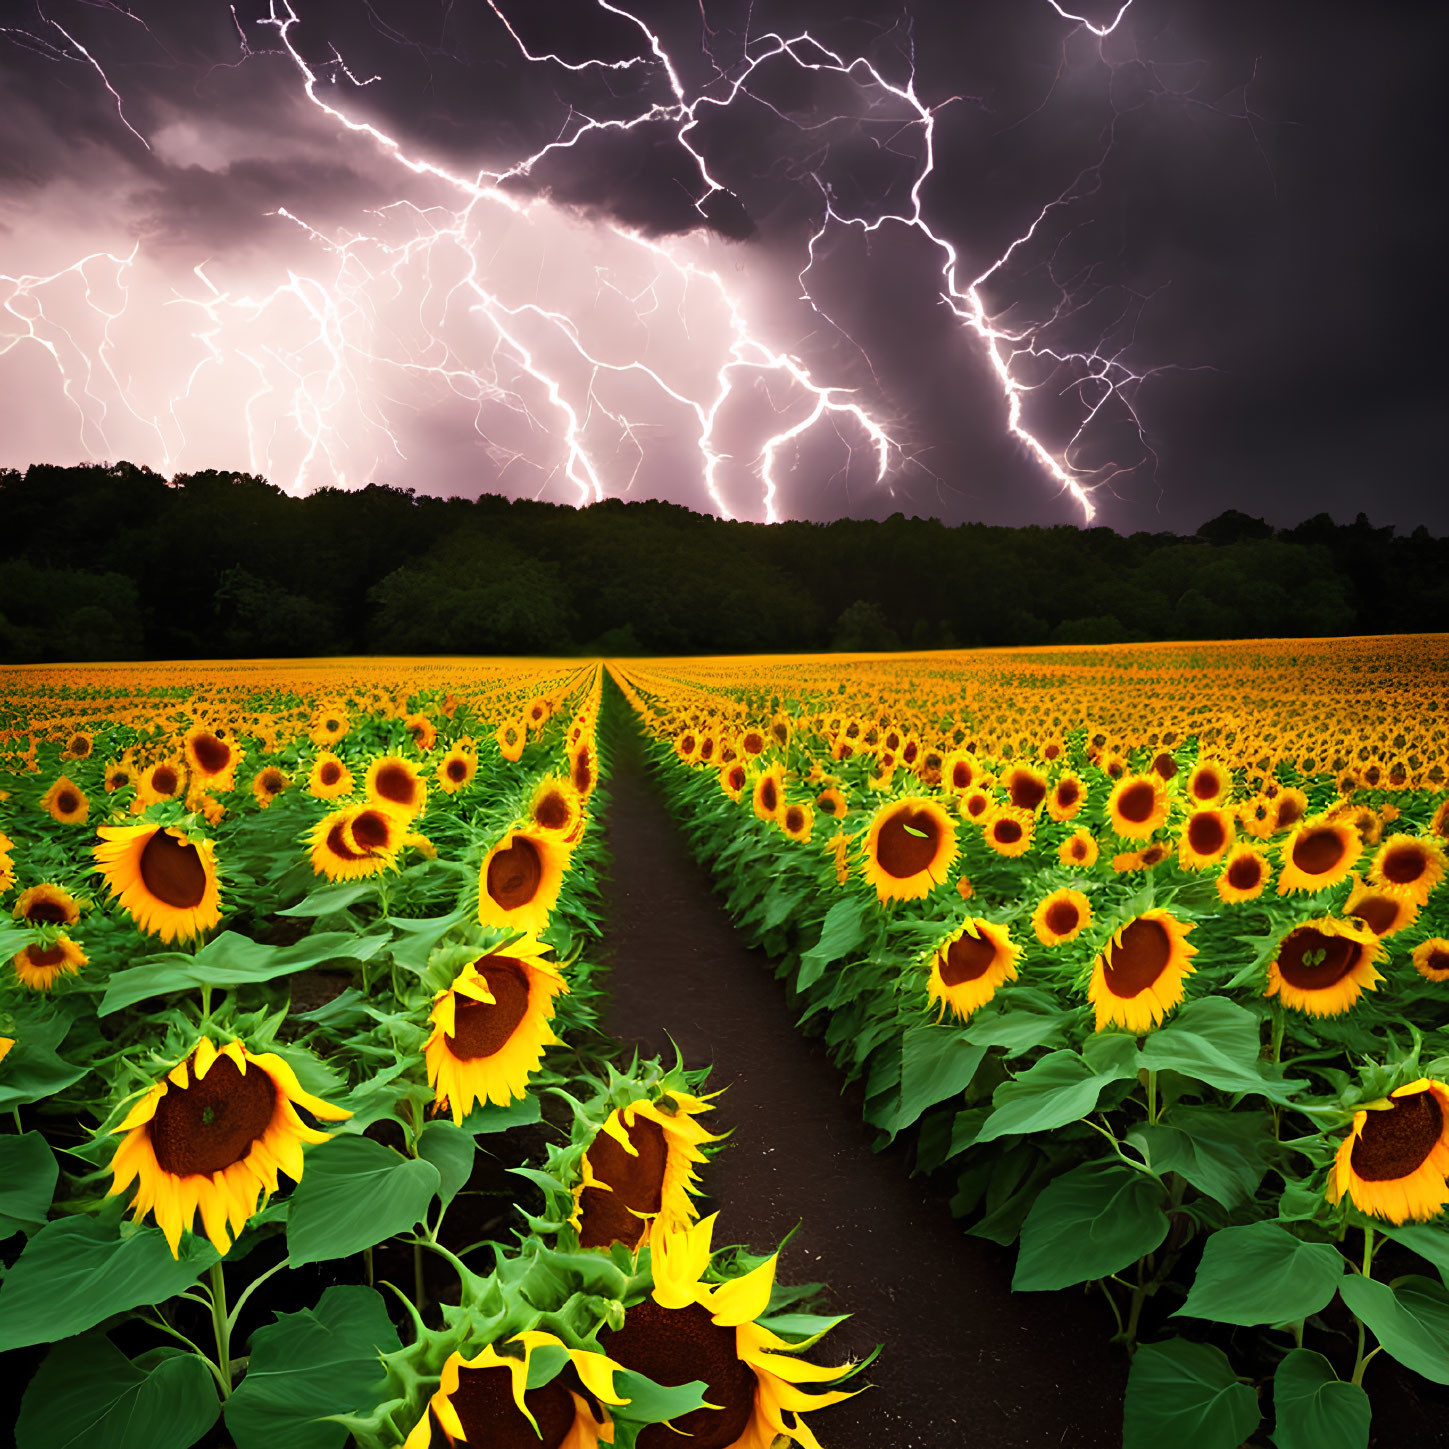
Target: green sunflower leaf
{"points": [[28, 1173], [450, 1150], [89, 1395], [1261, 1273], [305, 1366], [1315, 1409], [1186, 1394], [354, 1193], [1060, 1088], [1428, 1240], [1219, 1153], [1094, 1220], [937, 1062], [34, 1068], [1410, 1319], [843, 931], [1214, 1041]]}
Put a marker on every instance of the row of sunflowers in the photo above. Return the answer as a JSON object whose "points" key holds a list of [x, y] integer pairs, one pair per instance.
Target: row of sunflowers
{"points": [[1151, 972], [311, 1132]]}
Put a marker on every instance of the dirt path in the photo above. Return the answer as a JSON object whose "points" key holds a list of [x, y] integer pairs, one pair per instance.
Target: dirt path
{"points": [[966, 1362]]}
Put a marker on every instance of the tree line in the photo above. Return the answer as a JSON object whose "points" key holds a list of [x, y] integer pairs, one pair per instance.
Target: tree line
{"points": [[114, 561]]}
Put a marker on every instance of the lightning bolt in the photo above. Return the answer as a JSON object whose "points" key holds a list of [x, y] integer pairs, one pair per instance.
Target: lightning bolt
{"points": [[335, 381]]}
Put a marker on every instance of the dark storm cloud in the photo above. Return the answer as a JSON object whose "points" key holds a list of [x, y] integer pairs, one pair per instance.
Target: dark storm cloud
{"points": [[1249, 204]]}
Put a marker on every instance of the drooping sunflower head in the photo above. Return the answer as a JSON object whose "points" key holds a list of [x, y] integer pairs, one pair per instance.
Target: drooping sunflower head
{"points": [[421, 730], [491, 1027], [1244, 875], [211, 756], [639, 1170], [46, 905], [1008, 831], [38, 966], [1138, 976], [166, 881], [396, 784], [329, 777], [1383, 912], [1318, 854], [1408, 866], [1206, 837], [555, 808], [268, 783], [520, 878], [1137, 805], [1067, 797], [456, 769], [1394, 1162], [1431, 959], [1060, 917], [1078, 849], [65, 802], [485, 1401], [910, 846], [211, 1135], [968, 966], [1323, 966]]}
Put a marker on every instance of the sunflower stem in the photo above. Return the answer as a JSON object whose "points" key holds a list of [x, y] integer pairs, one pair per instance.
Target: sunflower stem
{"points": [[1151, 1096], [1360, 1362], [1112, 1304], [247, 1293], [420, 1296], [367, 1263], [221, 1324], [205, 1005]]}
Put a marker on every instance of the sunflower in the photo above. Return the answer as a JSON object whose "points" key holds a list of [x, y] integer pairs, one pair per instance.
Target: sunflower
{"points": [[395, 784], [329, 725], [1409, 867], [46, 905], [1383, 912], [537, 712], [6, 1042], [456, 769], [119, 774], [356, 841], [639, 1170], [66, 802], [582, 773], [732, 780], [213, 759], [959, 771], [1008, 831], [968, 966], [1079, 849], [164, 780], [1431, 959], [691, 1330], [1067, 797], [796, 821], [1318, 854], [423, 731], [1061, 917], [39, 966], [1323, 966], [753, 742], [555, 808], [519, 880], [976, 804], [490, 1028], [768, 793], [686, 747], [1394, 1162], [268, 783], [78, 747], [839, 847], [1244, 874], [910, 846], [511, 738], [1208, 783], [1205, 838], [1144, 859], [1289, 807], [164, 880], [1138, 805], [1025, 787], [329, 777], [486, 1401], [831, 802], [212, 1134], [1138, 976]]}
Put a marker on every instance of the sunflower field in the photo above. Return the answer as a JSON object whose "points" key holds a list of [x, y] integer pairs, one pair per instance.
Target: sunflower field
{"points": [[1145, 951], [309, 1133]]}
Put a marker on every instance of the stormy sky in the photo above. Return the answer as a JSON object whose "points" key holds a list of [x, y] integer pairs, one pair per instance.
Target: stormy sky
{"points": [[466, 247]]}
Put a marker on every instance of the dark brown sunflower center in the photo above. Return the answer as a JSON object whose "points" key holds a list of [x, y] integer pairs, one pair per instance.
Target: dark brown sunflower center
{"points": [[371, 830], [737, 778], [830, 804], [795, 819], [1027, 791], [331, 725], [1290, 812], [1404, 864], [394, 782], [45, 955], [46, 913], [1396, 1140], [553, 811], [1006, 831], [79, 746], [961, 775], [457, 771], [481, 1030], [966, 959], [272, 781], [207, 1126], [583, 772], [1312, 960], [1141, 958], [1316, 852], [1062, 917], [212, 754], [675, 1345], [330, 773], [491, 1419], [1245, 873], [1437, 960], [1067, 794], [515, 874], [769, 796], [637, 1182], [1136, 802], [906, 843], [753, 742], [1164, 766], [1206, 786], [173, 872], [337, 843], [67, 802], [1378, 913], [1206, 835]]}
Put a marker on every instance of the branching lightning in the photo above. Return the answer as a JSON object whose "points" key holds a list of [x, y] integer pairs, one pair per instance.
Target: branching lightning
{"points": [[412, 306]]}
